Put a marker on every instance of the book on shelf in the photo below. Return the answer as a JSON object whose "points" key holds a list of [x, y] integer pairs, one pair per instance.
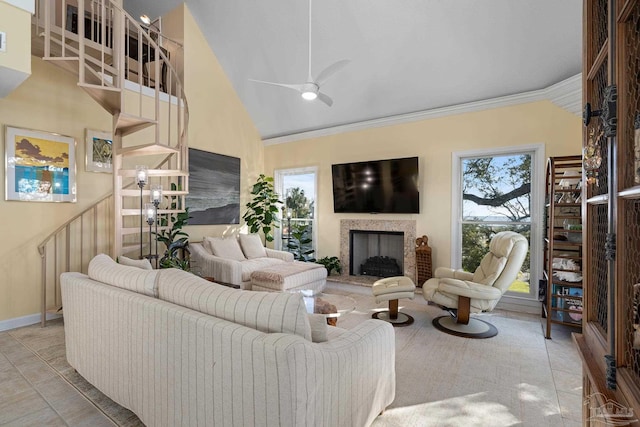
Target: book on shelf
{"points": [[570, 309], [575, 310]]}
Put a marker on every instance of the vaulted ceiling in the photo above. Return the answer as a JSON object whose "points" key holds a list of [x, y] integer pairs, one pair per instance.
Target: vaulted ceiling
{"points": [[406, 55]]}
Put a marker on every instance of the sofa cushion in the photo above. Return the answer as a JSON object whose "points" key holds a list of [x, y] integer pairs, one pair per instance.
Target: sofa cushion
{"points": [[251, 245], [265, 311], [318, 324], [140, 263], [227, 248], [103, 269], [251, 265]]}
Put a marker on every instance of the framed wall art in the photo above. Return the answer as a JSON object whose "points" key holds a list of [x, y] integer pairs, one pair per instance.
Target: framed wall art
{"points": [[39, 166], [99, 151], [214, 188]]}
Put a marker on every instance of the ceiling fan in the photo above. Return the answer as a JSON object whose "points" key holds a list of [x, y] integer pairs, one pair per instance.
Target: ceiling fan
{"points": [[310, 90]]}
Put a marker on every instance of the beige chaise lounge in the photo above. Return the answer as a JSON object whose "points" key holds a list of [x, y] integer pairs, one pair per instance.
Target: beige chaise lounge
{"points": [[243, 261]]}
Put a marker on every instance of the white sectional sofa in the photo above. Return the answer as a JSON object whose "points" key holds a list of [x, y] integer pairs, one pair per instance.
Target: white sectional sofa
{"points": [[178, 350], [234, 259]]}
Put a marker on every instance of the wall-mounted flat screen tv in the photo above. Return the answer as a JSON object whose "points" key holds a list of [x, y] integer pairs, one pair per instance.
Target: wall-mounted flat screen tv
{"points": [[378, 186]]}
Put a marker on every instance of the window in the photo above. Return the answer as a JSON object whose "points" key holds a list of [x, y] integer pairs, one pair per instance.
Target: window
{"points": [[297, 190], [497, 191]]}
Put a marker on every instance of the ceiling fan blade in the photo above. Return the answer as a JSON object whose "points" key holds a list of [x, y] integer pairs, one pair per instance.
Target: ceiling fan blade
{"points": [[294, 87], [325, 98], [330, 71]]}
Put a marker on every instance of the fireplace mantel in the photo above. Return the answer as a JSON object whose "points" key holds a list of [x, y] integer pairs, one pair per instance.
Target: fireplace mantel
{"points": [[408, 227]]}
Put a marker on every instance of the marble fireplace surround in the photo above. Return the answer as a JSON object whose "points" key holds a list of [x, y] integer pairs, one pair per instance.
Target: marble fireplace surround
{"points": [[408, 227]]}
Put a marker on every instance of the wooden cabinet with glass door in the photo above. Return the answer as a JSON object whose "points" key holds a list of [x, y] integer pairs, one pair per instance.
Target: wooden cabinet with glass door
{"points": [[563, 243], [610, 342]]}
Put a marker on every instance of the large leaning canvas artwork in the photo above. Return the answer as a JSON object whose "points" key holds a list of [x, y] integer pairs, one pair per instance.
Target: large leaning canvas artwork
{"points": [[40, 166], [214, 188]]}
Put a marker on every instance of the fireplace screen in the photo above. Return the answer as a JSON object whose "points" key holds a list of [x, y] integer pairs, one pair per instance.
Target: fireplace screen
{"points": [[376, 253]]}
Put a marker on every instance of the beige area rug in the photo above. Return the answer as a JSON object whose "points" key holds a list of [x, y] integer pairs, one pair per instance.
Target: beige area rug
{"points": [[441, 380], [444, 380]]}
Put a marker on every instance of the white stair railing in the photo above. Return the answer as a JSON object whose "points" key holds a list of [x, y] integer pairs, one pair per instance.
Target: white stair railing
{"points": [[121, 65], [71, 247]]}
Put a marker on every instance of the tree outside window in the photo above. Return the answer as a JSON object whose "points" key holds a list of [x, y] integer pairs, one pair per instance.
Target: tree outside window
{"points": [[496, 196]]}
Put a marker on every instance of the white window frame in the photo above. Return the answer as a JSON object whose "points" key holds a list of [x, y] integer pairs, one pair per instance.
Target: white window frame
{"points": [[512, 300], [278, 177]]}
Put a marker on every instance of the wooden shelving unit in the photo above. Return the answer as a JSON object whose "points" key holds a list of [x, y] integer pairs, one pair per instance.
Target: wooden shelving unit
{"points": [[562, 302], [609, 345]]}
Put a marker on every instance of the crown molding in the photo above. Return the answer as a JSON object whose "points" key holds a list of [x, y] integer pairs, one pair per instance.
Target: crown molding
{"points": [[566, 94]]}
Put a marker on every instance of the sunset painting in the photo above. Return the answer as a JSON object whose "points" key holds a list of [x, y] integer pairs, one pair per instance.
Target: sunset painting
{"points": [[39, 166]]}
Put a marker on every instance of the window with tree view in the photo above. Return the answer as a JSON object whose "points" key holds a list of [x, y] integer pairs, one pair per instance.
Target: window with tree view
{"points": [[496, 196], [297, 190]]}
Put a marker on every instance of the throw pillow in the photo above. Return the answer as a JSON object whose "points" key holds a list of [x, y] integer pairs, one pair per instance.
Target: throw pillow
{"points": [[319, 327], [103, 269], [140, 263], [252, 246], [227, 248]]}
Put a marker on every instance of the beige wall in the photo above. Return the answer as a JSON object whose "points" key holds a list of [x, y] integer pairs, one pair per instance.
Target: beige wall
{"points": [[433, 141], [16, 23], [49, 100], [15, 61], [218, 121]]}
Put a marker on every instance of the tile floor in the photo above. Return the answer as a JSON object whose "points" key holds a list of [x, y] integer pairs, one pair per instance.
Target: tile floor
{"points": [[34, 393]]}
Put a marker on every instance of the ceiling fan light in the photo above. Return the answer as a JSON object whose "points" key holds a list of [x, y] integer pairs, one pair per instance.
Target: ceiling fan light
{"points": [[309, 95]]}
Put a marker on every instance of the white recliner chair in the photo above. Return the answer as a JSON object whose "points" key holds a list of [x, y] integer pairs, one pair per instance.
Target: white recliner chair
{"points": [[479, 291]]}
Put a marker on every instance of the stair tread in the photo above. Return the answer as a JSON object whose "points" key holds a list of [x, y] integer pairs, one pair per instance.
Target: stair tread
{"points": [[134, 230], [147, 149], [134, 212], [153, 172], [108, 98], [128, 123], [99, 87], [136, 192], [61, 58]]}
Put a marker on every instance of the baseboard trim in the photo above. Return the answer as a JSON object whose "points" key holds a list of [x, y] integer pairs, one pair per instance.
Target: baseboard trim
{"points": [[519, 304], [18, 322]]}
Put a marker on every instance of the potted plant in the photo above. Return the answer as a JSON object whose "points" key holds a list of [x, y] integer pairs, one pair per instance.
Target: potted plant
{"points": [[300, 243], [262, 211], [331, 263], [177, 253]]}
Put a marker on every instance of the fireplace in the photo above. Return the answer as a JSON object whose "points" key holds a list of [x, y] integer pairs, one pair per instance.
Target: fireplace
{"points": [[376, 253], [406, 255]]}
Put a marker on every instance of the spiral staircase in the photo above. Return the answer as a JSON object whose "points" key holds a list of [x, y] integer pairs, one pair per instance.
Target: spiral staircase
{"points": [[126, 68]]}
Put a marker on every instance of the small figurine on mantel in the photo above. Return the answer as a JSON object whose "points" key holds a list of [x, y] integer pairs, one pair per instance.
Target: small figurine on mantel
{"points": [[424, 269]]}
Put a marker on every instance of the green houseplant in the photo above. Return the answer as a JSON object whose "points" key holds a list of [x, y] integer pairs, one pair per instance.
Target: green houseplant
{"points": [[262, 210], [331, 263], [175, 240], [300, 243]]}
